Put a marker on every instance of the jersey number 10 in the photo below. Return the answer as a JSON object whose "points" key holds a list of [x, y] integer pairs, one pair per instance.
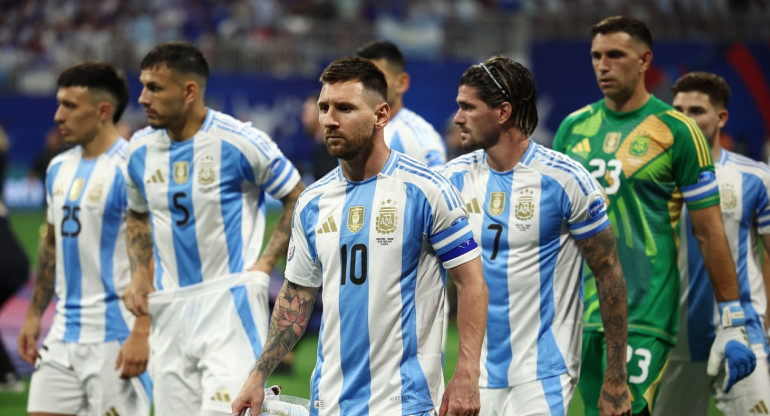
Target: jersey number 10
{"points": [[357, 253]]}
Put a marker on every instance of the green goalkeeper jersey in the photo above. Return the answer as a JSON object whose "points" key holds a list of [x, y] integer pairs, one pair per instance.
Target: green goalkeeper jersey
{"points": [[650, 161]]}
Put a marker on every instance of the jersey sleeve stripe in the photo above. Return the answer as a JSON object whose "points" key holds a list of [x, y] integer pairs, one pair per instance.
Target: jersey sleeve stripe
{"points": [[700, 190], [763, 221], [697, 137], [591, 229], [136, 168], [559, 161], [450, 195]]}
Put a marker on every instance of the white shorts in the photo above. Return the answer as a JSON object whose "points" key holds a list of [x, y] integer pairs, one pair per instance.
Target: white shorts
{"points": [[72, 378], [550, 396], [687, 388], [205, 340]]}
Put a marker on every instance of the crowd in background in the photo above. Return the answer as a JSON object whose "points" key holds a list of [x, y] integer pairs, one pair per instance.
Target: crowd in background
{"points": [[41, 37]]}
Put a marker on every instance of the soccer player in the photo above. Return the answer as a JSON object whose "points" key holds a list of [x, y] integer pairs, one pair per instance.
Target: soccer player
{"points": [[90, 360], [744, 188], [196, 195], [534, 211], [406, 131], [650, 159], [375, 232]]}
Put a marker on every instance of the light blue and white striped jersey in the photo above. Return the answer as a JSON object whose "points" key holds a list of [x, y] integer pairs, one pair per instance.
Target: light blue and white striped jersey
{"points": [[744, 186], [87, 206], [206, 197], [528, 220], [376, 246], [410, 134]]}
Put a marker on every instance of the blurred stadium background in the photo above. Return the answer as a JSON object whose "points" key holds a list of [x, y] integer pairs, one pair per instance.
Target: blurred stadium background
{"points": [[266, 56]]}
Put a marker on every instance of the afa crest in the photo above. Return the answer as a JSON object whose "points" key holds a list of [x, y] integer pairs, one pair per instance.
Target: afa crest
{"points": [[496, 203], [356, 218], [640, 146], [525, 205], [95, 194], [181, 172], [611, 142], [76, 188], [206, 174], [387, 220], [728, 197]]}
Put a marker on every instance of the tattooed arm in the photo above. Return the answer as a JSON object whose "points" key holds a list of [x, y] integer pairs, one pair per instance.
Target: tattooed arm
{"points": [[139, 242], [279, 240], [601, 255], [41, 296], [291, 314]]}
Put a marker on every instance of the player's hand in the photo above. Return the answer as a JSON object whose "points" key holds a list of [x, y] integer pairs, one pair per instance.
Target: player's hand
{"points": [[461, 397], [133, 355], [251, 395], [614, 400], [135, 296], [28, 337], [731, 352]]}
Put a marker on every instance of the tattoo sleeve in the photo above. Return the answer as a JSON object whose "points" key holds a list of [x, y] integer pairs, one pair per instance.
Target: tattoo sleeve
{"points": [[291, 315], [279, 240], [601, 254], [46, 270], [139, 241]]}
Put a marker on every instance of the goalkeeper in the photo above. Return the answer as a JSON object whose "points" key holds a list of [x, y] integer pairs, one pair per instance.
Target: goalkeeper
{"points": [[651, 161]]}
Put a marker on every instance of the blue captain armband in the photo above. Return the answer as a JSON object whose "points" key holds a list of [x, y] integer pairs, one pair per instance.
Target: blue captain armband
{"points": [[465, 247], [454, 241]]}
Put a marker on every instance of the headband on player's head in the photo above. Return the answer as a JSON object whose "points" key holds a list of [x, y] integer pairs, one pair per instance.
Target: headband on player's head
{"points": [[505, 93]]}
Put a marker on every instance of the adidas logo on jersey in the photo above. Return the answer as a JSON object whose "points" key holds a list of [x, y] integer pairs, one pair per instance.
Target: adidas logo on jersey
{"points": [[156, 177], [473, 206], [329, 226], [759, 409], [583, 147], [112, 412], [221, 396]]}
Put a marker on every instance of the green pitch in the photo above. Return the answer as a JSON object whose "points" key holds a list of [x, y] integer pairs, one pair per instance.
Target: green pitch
{"points": [[26, 225]]}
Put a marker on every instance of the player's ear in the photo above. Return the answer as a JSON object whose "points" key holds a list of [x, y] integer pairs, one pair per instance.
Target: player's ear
{"points": [[191, 91], [646, 60], [723, 116], [105, 111], [402, 82], [506, 111], [382, 115]]}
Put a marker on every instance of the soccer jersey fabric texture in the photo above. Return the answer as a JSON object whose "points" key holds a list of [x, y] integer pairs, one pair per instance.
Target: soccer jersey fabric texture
{"points": [[410, 134], [87, 206], [376, 246], [206, 196], [528, 220], [744, 186], [650, 162]]}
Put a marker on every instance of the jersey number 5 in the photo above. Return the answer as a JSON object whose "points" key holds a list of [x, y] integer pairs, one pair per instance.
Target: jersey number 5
{"points": [[185, 212], [357, 253]]}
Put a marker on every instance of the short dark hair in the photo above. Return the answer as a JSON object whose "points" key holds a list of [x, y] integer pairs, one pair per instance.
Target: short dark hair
{"points": [[710, 84], [179, 56], [98, 76], [516, 86], [382, 50], [627, 24], [354, 68]]}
